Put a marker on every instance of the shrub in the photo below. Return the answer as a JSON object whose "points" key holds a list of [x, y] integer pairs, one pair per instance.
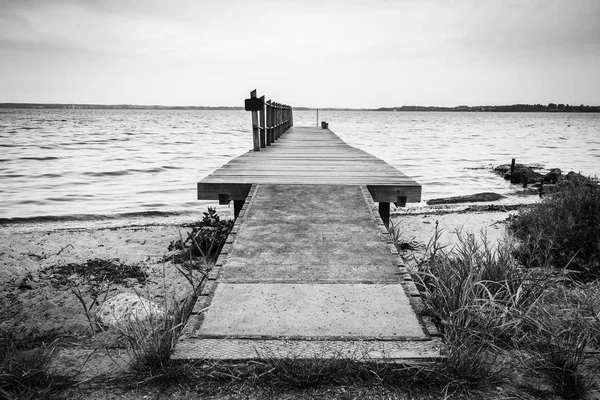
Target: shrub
{"points": [[206, 238], [563, 230]]}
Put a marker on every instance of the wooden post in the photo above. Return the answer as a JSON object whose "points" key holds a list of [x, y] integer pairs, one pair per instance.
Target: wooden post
{"points": [[274, 121], [263, 139], [400, 201], [237, 207], [512, 170], [317, 117], [384, 213], [255, 133], [269, 117], [277, 121], [291, 117]]}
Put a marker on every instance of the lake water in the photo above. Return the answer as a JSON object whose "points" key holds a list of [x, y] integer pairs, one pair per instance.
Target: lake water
{"points": [[101, 165]]}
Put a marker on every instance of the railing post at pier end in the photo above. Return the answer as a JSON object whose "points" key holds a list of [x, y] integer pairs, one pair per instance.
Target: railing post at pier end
{"points": [[269, 123], [277, 121], [263, 139], [255, 134]]}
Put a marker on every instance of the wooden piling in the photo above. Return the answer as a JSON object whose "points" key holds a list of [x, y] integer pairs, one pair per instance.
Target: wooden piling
{"points": [[263, 139], [384, 213], [512, 170], [255, 133], [269, 123]]}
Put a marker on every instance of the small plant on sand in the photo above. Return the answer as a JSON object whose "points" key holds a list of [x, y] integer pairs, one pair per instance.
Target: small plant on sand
{"points": [[405, 247], [206, 238], [563, 230]]}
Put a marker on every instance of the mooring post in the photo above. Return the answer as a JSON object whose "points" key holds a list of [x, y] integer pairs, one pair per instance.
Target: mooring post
{"points": [[512, 170], [263, 139], [384, 213]]}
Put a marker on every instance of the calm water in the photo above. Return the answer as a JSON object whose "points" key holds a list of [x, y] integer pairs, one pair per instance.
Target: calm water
{"points": [[105, 164]]}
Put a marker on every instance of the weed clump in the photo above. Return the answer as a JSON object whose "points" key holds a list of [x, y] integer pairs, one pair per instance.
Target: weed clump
{"points": [[28, 374], [96, 272], [489, 307], [206, 238], [563, 230]]}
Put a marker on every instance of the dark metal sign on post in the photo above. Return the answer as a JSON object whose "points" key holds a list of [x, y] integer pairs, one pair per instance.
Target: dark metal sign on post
{"points": [[254, 104]]}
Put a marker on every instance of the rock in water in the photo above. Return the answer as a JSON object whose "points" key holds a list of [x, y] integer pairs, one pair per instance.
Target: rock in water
{"points": [[126, 308], [553, 176], [578, 179], [523, 175], [472, 198]]}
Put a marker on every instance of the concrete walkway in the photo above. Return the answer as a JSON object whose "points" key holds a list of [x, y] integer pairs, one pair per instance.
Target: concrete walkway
{"points": [[308, 273]]}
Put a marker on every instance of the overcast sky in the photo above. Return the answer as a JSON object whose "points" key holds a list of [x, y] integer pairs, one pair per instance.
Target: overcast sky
{"points": [[304, 53]]}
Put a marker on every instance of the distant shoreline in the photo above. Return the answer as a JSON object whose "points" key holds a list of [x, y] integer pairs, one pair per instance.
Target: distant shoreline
{"points": [[502, 108]]}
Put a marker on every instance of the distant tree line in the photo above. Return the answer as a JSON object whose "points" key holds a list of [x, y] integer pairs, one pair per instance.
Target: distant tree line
{"points": [[508, 108]]}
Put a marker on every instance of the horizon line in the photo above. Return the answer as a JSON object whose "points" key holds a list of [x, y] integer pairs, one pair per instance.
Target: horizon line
{"points": [[160, 106]]}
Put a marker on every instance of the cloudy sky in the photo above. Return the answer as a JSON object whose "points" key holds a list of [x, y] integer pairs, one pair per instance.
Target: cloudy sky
{"points": [[305, 52]]}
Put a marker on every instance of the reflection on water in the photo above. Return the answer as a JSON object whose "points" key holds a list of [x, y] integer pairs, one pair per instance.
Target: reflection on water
{"points": [[100, 163]]}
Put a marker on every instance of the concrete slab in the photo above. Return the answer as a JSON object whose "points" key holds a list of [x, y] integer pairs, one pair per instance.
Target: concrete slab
{"points": [[305, 233], [311, 311], [309, 203]]}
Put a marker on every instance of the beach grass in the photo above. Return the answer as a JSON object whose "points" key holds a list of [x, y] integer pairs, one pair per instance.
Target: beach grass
{"points": [[521, 327], [563, 230], [26, 371]]}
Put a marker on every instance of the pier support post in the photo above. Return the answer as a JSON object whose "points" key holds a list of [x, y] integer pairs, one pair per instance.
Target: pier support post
{"points": [[400, 201], [237, 207], [384, 213]]}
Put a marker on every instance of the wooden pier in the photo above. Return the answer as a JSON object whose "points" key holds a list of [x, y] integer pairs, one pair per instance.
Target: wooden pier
{"points": [[310, 156], [309, 269]]}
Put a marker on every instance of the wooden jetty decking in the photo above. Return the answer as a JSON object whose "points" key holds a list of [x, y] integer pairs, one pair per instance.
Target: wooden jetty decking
{"points": [[310, 156], [309, 269]]}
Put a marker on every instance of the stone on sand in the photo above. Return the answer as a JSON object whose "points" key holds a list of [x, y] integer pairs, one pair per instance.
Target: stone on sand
{"points": [[128, 308]]}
